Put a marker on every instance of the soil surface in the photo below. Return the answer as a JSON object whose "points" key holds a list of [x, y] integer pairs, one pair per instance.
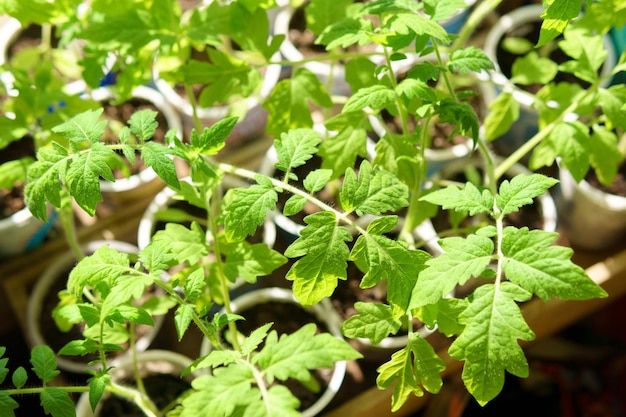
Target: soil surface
{"points": [[12, 201], [617, 187]]}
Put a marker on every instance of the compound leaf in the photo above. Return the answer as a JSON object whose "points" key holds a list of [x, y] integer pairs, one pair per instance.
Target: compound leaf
{"points": [[44, 363], [375, 97], [293, 355], [57, 402]]}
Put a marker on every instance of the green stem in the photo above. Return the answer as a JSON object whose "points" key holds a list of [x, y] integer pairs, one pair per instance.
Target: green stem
{"points": [[543, 133], [140, 385], [142, 401], [66, 214], [478, 15], [39, 390], [216, 203]]}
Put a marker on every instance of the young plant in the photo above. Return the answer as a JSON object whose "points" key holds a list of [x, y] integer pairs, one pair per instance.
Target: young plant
{"points": [[487, 325]]}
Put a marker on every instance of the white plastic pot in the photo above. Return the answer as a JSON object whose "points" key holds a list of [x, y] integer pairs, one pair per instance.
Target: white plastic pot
{"points": [[592, 219], [324, 312], [42, 288], [22, 231]]}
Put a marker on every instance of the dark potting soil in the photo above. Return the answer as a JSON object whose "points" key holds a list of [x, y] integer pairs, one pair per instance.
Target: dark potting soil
{"points": [[287, 318], [29, 37], [122, 113], [617, 187], [12, 201], [163, 389]]}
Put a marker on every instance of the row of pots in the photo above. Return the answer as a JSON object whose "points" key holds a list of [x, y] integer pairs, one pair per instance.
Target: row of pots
{"points": [[173, 105]]}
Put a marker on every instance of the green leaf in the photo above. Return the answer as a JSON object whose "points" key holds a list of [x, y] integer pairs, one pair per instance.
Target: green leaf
{"points": [[83, 176], [323, 13], [143, 123], [504, 110], [382, 258], [375, 191], [571, 141], [84, 127], [252, 342], [182, 319], [293, 355], [213, 138], [97, 385], [79, 347], [588, 52], [322, 245], [219, 394], [19, 377], [470, 59], [57, 402], [533, 263], [7, 404], [605, 155], [448, 312], [251, 261], [440, 10], [158, 158], [533, 69], [467, 199], [295, 148], [156, 257], [489, 343], [12, 172], [411, 368], [44, 363], [375, 97], [294, 204], [105, 264], [461, 260], [282, 402], [556, 18], [374, 322], [345, 33], [288, 103], [247, 208], [189, 245], [411, 88], [43, 180], [340, 152], [521, 190], [125, 288], [461, 114], [405, 23], [317, 179]]}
